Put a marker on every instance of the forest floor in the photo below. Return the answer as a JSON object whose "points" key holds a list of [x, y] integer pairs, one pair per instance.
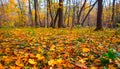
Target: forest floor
{"points": [[42, 48]]}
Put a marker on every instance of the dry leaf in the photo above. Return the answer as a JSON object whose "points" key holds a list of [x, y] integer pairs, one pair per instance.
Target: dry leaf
{"points": [[31, 61]]}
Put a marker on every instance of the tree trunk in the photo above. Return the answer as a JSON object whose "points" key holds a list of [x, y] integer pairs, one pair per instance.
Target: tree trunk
{"points": [[50, 11], [60, 9], [36, 12], [56, 16], [88, 14], [47, 14], [99, 15], [80, 12], [30, 14], [113, 13]]}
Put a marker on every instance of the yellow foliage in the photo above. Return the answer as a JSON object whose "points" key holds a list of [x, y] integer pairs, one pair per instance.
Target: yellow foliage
{"points": [[18, 63], [40, 57], [59, 61], [85, 50], [93, 67], [51, 48], [24, 1], [12, 1], [55, 61], [32, 61], [51, 62]]}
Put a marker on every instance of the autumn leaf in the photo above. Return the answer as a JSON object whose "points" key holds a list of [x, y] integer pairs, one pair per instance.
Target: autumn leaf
{"points": [[93, 67], [81, 61], [18, 63], [85, 50], [91, 57], [80, 65], [15, 67], [59, 61], [1, 66], [40, 57], [57, 50], [111, 66], [31, 61], [51, 62], [52, 47]]}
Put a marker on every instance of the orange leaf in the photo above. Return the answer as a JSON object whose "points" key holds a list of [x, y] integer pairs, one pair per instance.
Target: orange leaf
{"points": [[1, 66], [85, 50]]}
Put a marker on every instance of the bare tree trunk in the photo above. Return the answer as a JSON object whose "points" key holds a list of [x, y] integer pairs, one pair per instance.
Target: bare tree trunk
{"points": [[57, 13], [30, 14], [79, 14], [50, 11], [99, 15], [66, 11], [20, 13], [60, 9], [113, 13], [2, 12], [47, 14], [69, 14], [36, 12], [88, 14]]}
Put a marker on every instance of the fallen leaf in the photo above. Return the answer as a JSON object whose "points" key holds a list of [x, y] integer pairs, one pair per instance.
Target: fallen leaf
{"points": [[31, 61], [40, 57], [1, 66], [85, 50]]}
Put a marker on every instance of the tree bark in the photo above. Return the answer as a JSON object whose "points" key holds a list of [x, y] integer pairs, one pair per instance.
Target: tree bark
{"points": [[79, 14], [50, 11], [113, 13], [30, 14], [99, 15], [88, 14], [60, 9], [36, 12]]}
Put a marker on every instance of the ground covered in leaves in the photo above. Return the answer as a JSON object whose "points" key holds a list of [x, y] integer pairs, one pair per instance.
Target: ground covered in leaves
{"points": [[38, 48]]}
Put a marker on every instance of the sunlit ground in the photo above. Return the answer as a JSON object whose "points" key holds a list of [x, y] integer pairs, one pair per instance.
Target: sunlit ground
{"points": [[35, 48]]}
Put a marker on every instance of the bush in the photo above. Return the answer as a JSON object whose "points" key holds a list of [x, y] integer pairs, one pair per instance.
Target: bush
{"points": [[78, 26], [118, 25], [118, 29]]}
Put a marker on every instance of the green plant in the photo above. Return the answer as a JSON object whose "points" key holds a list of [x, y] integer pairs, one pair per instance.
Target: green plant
{"points": [[104, 61], [81, 40], [118, 29], [118, 25], [111, 54], [31, 31], [78, 26]]}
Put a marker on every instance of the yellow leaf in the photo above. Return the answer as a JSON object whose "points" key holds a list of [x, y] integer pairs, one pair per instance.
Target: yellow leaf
{"points": [[7, 49], [31, 61], [52, 47], [92, 67], [85, 50], [51, 62], [81, 61], [111, 67], [59, 61], [18, 63], [91, 57], [6, 59], [40, 57]]}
